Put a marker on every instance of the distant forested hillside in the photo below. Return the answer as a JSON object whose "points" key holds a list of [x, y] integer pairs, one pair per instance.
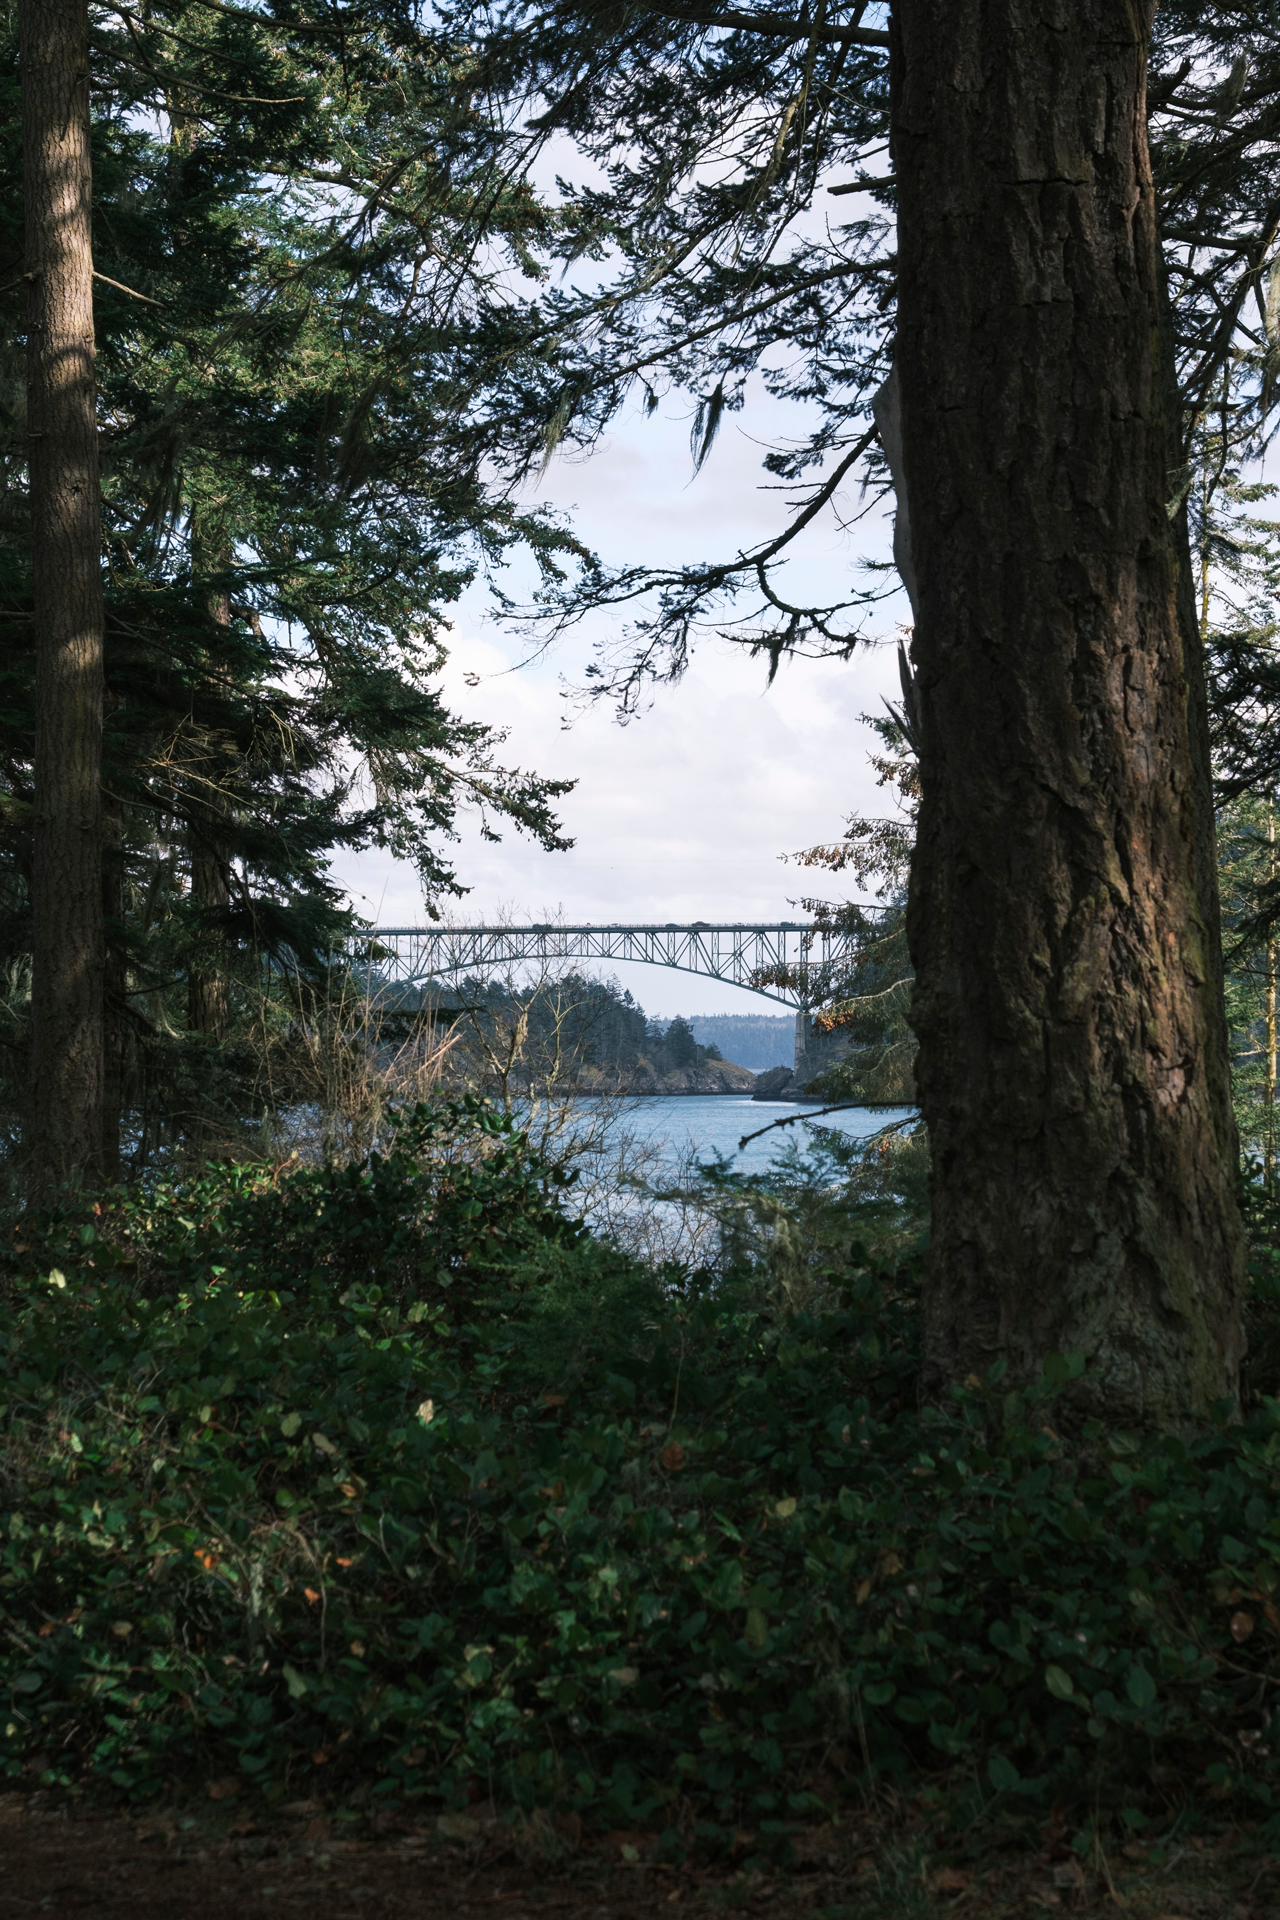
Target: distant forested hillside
{"points": [[573, 1020], [755, 1040]]}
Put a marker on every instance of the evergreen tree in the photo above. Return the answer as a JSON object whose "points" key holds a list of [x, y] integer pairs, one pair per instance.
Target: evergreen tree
{"points": [[287, 516], [1085, 216]]}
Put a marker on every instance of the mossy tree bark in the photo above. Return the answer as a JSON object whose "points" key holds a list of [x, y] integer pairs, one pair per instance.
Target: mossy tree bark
{"points": [[1072, 1066], [65, 1134]]}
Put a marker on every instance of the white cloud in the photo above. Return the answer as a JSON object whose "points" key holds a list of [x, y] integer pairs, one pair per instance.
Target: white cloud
{"points": [[683, 814]]}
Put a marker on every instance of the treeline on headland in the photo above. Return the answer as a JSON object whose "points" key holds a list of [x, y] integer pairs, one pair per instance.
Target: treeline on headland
{"points": [[572, 1033]]}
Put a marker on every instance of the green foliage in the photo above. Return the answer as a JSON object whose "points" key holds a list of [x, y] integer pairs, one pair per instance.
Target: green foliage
{"points": [[331, 1509], [867, 998], [287, 515]]}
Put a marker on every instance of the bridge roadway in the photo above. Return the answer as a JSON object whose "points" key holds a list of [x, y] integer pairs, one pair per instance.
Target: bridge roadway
{"points": [[748, 956]]}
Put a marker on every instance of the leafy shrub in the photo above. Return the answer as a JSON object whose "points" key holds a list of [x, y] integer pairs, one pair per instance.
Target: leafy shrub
{"points": [[355, 1528], [459, 1199]]}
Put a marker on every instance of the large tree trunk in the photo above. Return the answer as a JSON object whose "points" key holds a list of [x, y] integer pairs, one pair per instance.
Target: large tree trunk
{"points": [[66, 1112], [1073, 1067]]}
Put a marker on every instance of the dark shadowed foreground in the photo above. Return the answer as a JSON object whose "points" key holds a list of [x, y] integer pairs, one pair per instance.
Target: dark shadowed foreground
{"points": [[226, 1865]]}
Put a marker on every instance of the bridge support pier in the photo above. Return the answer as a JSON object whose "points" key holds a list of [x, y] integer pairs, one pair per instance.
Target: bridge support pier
{"points": [[817, 1048]]}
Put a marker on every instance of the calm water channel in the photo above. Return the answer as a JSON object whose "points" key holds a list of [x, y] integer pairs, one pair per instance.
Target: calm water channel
{"points": [[714, 1123]]}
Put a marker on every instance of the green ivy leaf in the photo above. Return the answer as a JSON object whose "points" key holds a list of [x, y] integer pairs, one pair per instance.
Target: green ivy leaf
{"points": [[1142, 1688], [1058, 1681]]}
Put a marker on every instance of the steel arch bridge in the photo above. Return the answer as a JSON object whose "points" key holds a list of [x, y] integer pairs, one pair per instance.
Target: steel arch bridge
{"points": [[744, 955]]}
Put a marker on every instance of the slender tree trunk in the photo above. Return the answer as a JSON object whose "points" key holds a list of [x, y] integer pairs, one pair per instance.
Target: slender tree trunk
{"points": [[1073, 1068], [115, 986], [66, 1116], [208, 999], [208, 1003]]}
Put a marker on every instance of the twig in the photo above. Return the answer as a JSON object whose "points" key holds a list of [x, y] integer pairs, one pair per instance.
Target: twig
{"points": [[120, 287], [845, 1106]]}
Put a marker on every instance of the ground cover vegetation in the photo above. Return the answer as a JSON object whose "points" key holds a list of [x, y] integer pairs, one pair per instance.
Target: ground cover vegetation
{"points": [[391, 1484]]}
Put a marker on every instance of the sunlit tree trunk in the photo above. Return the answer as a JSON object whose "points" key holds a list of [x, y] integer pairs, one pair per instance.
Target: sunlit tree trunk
{"points": [[65, 1133], [1073, 1066]]}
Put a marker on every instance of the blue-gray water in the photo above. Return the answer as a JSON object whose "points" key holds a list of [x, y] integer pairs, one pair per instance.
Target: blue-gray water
{"points": [[716, 1122]]}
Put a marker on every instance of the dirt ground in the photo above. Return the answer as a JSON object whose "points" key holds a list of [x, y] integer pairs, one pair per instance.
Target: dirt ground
{"points": [[221, 1863]]}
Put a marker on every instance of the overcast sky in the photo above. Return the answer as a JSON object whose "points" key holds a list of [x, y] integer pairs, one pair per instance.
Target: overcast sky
{"points": [[683, 814]]}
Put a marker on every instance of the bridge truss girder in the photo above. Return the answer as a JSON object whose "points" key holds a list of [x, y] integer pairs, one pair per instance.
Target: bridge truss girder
{"points": [[753, 957]]}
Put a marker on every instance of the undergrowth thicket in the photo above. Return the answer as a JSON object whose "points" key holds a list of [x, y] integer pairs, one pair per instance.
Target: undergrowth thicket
{"points": [[391, 1483]]}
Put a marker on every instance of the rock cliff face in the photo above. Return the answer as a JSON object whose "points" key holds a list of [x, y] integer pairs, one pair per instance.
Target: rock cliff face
{"points": [[713, 1076], [774, 1085]]}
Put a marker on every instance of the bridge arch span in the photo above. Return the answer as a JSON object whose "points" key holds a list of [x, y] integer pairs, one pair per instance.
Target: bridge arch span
{"points": [[743, 954]]}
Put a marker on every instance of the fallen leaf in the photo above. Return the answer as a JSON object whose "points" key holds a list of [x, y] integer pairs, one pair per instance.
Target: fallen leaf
{"points": [[950, 1880], [625, 1676], [224, 1789], [311, 1595], [1241, 1626], [344, 1563], [357, 1647], [457, 1826], [864, 1588], [673, 1456], [322, 1443], [552, 1399], [350, 1493], [427, 1412], [48, 1627], [785, 1508], [890, 1563], [122, 1628]]}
